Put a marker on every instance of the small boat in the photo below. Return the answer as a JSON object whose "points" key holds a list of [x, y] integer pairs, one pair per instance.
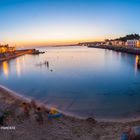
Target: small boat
{"points": [[56, 115]]}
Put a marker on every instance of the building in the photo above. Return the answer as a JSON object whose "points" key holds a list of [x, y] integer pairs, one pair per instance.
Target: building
{"points": [[131, 43], [108, 42], [91, 43], [3, 48], [11, 49], [138, 43], [118, 43], [6, 48]]}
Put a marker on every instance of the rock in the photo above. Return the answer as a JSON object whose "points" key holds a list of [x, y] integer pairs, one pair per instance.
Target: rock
{"points": [[91, 120]]}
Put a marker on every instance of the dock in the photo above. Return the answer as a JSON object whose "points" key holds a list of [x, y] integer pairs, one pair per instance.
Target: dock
{"points": [[17, 53], [130, 50]]}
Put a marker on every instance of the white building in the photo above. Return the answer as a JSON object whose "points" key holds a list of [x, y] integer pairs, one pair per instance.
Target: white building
{"points": [[131, 43], [118, 43]]}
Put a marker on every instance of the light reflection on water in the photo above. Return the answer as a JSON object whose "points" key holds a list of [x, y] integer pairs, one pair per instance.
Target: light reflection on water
{"points": [[81, 81], [136, 63], [5, 68]]}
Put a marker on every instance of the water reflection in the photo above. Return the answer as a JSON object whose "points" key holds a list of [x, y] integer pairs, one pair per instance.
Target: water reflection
{"points": [[20, 65], [83, 81], [18, 68], [136, 63], [1, 68], [5, 68], [46, 64], [137, 59]]}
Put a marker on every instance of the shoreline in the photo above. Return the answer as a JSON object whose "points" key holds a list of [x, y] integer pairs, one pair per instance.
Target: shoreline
{"points": [[123, 49], [65, 127], [18, 53], [9, 93]]}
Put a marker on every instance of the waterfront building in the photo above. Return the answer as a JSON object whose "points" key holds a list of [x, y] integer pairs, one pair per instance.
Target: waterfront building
{"points": [[3, 48], [108, 42], [91, 43], [131, 43], [138, 43], [11, 49], [114, 43], [118, 43], [6, 48]]}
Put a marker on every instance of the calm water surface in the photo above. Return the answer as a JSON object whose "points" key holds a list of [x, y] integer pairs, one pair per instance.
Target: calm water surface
{"points": [[78, 80]]}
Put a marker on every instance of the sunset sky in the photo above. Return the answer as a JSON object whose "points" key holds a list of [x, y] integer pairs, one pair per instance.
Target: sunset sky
{"points": [[50, 22]]}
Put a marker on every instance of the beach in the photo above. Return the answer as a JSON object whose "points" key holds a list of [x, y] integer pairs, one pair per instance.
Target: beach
{"points": [[69, 70], [62, 128]]}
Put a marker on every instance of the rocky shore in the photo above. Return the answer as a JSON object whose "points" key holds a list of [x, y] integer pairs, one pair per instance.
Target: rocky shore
{"points": [[62, 128], [130, 50]]}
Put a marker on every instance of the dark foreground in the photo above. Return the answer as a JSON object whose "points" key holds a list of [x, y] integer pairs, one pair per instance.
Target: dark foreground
{"points": [[63, 128]]}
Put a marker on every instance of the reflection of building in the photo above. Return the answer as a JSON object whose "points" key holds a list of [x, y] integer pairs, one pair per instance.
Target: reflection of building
{"points": [[18, 69], [137, 59], [6, 48], [5, 68], [136, 63]]}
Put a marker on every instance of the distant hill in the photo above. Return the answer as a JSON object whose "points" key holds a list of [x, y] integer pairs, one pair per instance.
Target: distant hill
{"points": [[128, 37]]}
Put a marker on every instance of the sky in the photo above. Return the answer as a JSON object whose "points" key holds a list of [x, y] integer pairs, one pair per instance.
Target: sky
{"points": [[51, 22]]}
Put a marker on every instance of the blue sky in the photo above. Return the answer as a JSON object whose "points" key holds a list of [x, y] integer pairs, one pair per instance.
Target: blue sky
{"points": [[30, 22]]}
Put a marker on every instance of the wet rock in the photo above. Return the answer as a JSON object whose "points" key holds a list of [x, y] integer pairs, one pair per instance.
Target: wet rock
{"points": [[91, 120]]}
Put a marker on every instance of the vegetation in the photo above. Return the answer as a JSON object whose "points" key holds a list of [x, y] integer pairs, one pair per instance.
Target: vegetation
{"points": [[128, 37]]}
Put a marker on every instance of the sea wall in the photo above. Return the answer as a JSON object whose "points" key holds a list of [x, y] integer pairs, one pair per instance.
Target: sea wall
{"points": [[130, 50], [11, 55]]}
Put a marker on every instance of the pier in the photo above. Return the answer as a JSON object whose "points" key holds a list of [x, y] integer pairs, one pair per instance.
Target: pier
{"points": [[16, 53], [130, 50]]}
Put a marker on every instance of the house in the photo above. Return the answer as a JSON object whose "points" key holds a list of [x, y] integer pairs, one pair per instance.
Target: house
{"points": [[91, 43], [6, 48], [138, 43], [118, 43], [3, 48], [108, 42], [131, 43], [121, 43]]}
